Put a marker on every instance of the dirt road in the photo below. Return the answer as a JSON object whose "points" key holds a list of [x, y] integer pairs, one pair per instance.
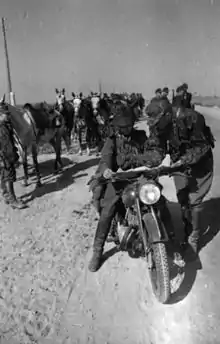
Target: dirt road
{"points": [[48, 296]]}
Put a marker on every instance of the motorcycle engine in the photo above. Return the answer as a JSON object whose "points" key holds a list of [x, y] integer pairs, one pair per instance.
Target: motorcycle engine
{"points": [[126, 233]]}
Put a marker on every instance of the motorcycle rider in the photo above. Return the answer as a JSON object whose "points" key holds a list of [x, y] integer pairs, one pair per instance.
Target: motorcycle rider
{"points": [[8, 158], [189, 142], [126, 148]]}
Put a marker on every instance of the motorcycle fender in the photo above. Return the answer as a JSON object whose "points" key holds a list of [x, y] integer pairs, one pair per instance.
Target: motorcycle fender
{"points": [[155, 228]]}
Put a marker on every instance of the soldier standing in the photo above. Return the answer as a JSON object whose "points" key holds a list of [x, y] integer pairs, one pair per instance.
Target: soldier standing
{"points": [[189, 142], [8, 159]]}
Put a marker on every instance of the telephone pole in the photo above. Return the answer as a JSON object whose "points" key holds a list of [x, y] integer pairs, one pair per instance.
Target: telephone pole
{"points": [[100, 87], [11, 94]]}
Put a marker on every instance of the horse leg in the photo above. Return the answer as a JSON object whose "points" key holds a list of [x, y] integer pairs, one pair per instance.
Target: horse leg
{"points": [[25, 167], [76, 134], [80, 141], [58, 150], [73, 132], [36, 165], [88, 141], [98, 142], [56, 144], [66, 135]]}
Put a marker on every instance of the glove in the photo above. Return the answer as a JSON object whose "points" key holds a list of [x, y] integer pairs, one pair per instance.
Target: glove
{"points": [[178, 163], [107, 174]]}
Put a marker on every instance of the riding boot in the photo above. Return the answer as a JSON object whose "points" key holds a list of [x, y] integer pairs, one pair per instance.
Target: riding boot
{"points": [[96, 260], [98, 245], [187, 222], [4, 191], [194, 236], [11, 198]]}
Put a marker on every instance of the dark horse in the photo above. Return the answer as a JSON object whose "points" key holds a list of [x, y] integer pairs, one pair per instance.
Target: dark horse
{"points": [[86, 123], [137, 102], [102, 112], [34, 126], [66, 109]]}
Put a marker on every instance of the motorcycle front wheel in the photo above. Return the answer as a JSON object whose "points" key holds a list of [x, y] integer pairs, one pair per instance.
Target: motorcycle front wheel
{"points": [[159, 272]]}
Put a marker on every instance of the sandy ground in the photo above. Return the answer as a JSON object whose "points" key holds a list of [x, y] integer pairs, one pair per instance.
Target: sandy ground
{"points": [[48, 296]]}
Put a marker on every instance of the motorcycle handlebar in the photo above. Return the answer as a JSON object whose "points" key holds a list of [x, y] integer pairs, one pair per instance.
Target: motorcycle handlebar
{"points": [[152, 173]]}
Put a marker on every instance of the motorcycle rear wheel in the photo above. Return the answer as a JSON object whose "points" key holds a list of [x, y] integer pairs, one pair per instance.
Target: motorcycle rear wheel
{"points": [[160, 273]]}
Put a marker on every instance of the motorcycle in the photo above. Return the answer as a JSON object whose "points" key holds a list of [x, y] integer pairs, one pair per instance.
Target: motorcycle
{"points": [[144, 232]]}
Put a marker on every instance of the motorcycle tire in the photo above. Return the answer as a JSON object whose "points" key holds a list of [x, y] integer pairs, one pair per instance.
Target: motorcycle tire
{"points": [[160, 273]]}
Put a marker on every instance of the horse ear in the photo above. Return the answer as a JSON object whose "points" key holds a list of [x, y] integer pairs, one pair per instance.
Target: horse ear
{"points": [[73, 94], [56, 90], [80, 95], [63, 90], [2, 100], [92, 93]]}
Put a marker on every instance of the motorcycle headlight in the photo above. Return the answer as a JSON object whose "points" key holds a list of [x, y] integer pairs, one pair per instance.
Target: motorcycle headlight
{"points": [[149, 194]]}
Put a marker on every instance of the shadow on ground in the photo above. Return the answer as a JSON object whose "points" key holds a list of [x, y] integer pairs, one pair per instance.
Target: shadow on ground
{"points": [[64, 179], [209, 224], [46, 168], [210, 221]]}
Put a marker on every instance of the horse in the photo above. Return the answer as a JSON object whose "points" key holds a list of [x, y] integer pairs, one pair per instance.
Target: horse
{"points": [[102, 112], [34, 126], [66, 109], [85, 122]]}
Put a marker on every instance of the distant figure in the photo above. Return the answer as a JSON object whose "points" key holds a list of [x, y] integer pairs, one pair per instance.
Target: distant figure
{"points": [[164, 94], [178, 96], [157, 96], [187, 97]]}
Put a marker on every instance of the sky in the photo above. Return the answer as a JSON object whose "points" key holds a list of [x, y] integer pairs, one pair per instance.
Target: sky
{"points": [[127, 45]]}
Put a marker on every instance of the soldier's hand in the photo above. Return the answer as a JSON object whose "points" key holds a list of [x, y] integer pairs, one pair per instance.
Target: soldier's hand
{"points": [[107, 174]]}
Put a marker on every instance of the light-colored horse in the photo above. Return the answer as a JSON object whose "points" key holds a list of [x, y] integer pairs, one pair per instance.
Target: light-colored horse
{"points": [[80, 121], [28, 135], [60, 98], [95, 103], [66, 108]]}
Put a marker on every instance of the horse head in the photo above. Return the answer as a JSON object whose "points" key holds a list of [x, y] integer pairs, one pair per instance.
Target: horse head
{"points": [[60, 98], [95, 98], [77, 100]]}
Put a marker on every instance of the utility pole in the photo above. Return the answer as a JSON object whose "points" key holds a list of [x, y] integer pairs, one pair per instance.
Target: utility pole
{"points": [[11, 94], [100, 88]]}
